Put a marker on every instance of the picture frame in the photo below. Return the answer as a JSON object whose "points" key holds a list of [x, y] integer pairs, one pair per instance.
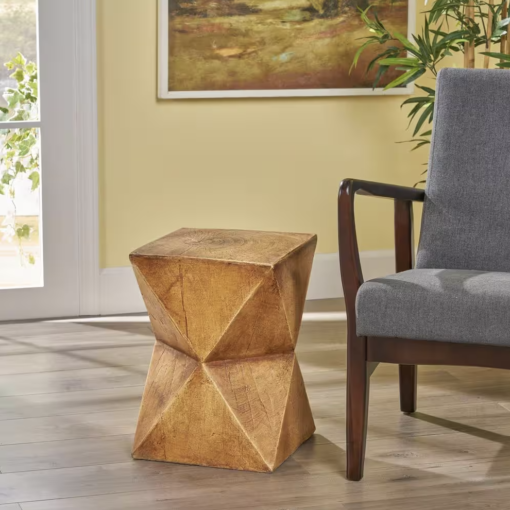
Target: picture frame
{"points": [[164, 71]]}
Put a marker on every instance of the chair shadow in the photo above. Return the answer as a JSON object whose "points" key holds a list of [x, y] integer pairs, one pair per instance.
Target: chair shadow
{"points": [[470, 430], [336, 458], [316, 455], [461, 427]]}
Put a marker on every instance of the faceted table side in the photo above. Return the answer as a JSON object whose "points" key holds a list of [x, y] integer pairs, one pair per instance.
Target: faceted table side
{"points": [[224, 388]]}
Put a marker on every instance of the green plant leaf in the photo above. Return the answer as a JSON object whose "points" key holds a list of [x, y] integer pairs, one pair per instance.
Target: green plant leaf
{"points": [[420, 99], [430, 91], [20, 59], [7, 178], [380, 73], [13, 98], [19, 167], [404, 61], [361, 49], [18, 75], [404, 78], [501, 56], [420, 144], [23, 232], [35, 177], [35, 89], [503, 22], [423, 117], [407, 44]]}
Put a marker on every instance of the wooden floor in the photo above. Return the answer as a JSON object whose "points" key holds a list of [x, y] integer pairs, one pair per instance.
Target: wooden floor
{"points": [[69, 397]]}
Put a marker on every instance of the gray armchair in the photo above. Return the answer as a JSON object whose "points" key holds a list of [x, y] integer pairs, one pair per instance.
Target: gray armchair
{"points": [[453, 307]]}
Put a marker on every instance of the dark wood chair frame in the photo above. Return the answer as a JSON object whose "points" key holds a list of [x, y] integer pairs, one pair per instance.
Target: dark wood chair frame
{"points": [[365, 353]]}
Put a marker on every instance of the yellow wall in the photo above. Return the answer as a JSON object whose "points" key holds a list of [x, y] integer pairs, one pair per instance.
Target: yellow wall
{"points": [[268, 164]]}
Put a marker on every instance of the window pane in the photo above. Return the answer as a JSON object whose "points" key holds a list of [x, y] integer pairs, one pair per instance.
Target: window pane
{"points": [[20, 209], [18, 35]]}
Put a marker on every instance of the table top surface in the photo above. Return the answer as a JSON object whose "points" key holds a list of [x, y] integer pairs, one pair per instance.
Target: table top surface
{"points": [[243, 246]]}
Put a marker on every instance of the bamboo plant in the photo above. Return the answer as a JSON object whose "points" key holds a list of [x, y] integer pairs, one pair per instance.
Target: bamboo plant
{"points": [[450, 27]]}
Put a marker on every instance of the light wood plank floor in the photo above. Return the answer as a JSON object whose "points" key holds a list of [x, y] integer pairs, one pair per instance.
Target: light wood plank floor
{"points": [[69, 397]]}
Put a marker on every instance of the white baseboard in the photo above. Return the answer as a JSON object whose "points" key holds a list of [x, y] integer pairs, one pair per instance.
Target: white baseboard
{"points": [[375, 264], [325, 280], [120, 293]]}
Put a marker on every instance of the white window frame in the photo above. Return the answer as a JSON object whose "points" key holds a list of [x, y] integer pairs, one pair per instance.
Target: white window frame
{"points": [[87, 154], [84, 68]]}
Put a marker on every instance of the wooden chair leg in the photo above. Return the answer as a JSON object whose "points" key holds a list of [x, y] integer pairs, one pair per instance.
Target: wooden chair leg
{"points": [[358, 380], [408, 379]]}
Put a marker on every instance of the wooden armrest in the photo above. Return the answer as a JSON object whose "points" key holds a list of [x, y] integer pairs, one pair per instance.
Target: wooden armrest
{"points": [[378, 189], [350, 266]]}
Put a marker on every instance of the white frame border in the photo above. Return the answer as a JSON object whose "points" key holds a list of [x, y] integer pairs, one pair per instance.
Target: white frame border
{"points": [[87, 155], [164, 93]]}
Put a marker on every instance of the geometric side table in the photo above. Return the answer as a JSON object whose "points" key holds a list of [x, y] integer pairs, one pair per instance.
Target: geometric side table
{"points": [[224, 388]]}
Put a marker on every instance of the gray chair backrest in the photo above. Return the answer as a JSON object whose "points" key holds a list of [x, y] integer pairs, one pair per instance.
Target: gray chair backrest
{"points": [[466, 216]]}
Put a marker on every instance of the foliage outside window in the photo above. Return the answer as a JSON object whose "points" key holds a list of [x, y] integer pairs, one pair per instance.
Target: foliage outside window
{"points": [[19, 148]]}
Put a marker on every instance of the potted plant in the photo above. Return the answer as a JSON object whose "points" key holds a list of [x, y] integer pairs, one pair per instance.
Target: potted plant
{"points": [[450, 27]]}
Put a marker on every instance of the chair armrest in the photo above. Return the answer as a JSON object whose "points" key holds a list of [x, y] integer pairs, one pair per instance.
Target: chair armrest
{"points": [[378, 189], [350, 266]]}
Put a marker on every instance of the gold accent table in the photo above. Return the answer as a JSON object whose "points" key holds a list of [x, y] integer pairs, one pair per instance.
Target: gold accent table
{"points": [[224, 387]]}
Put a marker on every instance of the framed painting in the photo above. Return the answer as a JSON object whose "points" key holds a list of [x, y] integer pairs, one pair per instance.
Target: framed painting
{"points": [[270, 48]]}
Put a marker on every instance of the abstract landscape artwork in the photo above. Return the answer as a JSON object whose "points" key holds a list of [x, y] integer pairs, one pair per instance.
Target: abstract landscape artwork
{"points": [[264, 48]]}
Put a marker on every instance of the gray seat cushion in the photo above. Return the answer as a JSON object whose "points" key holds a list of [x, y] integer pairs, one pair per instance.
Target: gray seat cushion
{"points": [[437, 304]]}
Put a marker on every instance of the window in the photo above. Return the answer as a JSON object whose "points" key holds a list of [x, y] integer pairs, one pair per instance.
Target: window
{"points": [[20, 170]]}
